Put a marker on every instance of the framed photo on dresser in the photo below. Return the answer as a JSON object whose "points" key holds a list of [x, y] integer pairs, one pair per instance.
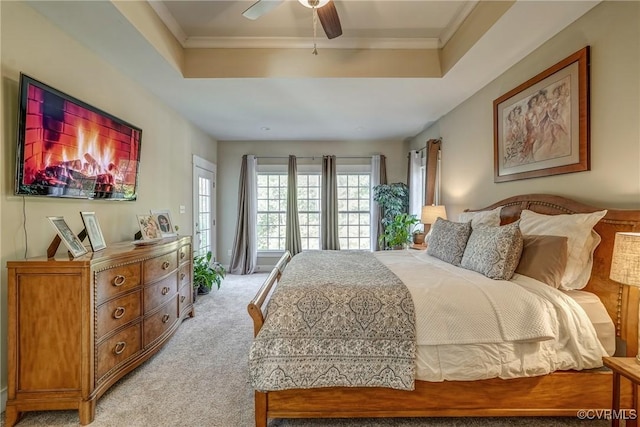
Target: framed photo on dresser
{"points": [[94, 233], [68, 237]]}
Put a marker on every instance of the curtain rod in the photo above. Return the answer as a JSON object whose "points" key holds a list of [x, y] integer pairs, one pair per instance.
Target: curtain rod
{"points": [[312, 157]]}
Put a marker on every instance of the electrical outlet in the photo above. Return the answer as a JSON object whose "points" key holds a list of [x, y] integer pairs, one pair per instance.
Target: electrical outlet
{"points": [[229, 252], [183, 209]]}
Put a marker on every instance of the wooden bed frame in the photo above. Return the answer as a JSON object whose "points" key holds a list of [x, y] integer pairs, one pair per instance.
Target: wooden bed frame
{"points": [[561, 393]]}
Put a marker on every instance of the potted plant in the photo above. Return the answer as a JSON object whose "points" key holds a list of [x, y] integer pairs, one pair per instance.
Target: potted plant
{"points": [[394, 201], [206, 273], [397, 233]]}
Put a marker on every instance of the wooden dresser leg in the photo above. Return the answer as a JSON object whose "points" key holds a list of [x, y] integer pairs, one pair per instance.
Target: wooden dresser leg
{"points": [[11, 416], [261, 409], [87, 412]]}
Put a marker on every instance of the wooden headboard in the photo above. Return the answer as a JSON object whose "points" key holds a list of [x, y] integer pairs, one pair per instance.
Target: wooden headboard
{"points": [[620, 301]]}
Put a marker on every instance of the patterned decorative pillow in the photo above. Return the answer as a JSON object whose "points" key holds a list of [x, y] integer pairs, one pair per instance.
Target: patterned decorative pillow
{"points": [[448, 240], [494, 251]]}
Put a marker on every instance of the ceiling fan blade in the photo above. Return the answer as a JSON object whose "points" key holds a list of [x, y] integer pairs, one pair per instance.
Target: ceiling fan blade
{"points": [[261, 7], [330, 21]]}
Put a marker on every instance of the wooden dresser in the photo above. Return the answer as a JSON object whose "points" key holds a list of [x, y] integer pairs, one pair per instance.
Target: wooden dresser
{"points": [[76, 326]]}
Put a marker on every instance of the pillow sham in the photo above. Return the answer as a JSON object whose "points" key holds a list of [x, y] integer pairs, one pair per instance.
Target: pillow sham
{"points": [[448, 240], [580, 241], [544, 258], [491, 217], [493, 251]]}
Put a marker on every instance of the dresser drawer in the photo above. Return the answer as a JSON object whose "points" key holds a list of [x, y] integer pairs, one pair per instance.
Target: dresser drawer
{"points": [[155, 268], [117, 349], [118, 312], [161, 321], [117, 280], [159, 293], [185, 298], [184, 275], [184, 254]]}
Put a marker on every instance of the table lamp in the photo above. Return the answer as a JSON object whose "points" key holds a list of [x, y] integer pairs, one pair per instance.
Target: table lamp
{"points": [[625, 263], [430, 213]]}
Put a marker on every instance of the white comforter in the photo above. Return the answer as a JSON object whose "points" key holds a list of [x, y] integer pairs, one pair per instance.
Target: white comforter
{"points": [[460, 314]]}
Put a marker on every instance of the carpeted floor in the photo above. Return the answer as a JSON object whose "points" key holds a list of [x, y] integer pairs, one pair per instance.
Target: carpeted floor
{"points": [[200, 380]]}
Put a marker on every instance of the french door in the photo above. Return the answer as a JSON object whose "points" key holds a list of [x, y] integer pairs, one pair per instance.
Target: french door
{"points": [[204, 206]]}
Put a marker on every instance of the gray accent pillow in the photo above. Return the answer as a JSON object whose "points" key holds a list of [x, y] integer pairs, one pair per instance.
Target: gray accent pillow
{"points": [[448, 240], [544, 258], [494, 251]]}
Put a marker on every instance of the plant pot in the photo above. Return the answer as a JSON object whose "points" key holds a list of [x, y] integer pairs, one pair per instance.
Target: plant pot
{"points": [[203, 291]]}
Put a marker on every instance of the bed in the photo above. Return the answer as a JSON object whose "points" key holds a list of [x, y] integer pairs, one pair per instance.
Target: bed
{"points": [[559, 393]]}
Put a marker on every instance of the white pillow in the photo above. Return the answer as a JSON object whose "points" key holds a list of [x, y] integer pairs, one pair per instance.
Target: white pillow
{"points": [[489, 218], [581, 242]]}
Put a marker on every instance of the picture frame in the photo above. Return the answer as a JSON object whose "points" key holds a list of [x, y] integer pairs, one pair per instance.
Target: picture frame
{"points": [[149, 228], [94, 233], [71, 241], [541, 128], [163, 218]]}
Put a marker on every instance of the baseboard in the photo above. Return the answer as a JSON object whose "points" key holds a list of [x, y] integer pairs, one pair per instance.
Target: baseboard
{"points": [[264, 268], [3, 399]]}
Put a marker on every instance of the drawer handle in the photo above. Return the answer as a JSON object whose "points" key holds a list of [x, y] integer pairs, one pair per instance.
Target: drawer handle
{"points": [[118, 312], [165, 290], [182, 298], [119, 280], [182, 255], [119, 348], [165, 318], [165, 265], [182, 276]]}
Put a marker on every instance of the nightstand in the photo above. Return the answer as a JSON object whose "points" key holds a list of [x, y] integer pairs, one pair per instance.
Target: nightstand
{"points": [[421, 247], [630, 369]]}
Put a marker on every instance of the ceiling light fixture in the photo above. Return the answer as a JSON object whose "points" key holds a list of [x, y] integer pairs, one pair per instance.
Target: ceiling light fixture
{"points": [[314, 5]]}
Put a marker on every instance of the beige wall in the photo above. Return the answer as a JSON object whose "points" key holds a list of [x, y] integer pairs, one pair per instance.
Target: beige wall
{"points": [[30, 44], [230, 155], [612, 31]]}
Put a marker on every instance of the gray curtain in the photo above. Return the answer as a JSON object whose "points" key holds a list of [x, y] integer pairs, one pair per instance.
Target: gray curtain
{"points": [[244, 257], [329, 202], [293, 242], [377, 171], [383, 180]]}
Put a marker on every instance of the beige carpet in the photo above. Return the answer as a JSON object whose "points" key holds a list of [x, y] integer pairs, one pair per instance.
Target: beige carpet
{"points": [[200, 379]]}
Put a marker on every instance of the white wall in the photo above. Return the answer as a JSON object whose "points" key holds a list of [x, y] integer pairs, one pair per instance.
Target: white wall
{"points": [[613, 32], [230, 155], [32, 45]]}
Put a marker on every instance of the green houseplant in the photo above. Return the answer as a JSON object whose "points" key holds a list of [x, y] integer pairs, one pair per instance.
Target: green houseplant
{"points": [[206, 273], [394, 201], [397, 233]]}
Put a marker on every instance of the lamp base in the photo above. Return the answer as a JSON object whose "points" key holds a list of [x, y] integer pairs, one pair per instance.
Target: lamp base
{"points": [[638, 358]]}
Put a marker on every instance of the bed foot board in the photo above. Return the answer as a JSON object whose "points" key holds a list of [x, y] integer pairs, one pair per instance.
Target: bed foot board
{"points": [[261, 409]]}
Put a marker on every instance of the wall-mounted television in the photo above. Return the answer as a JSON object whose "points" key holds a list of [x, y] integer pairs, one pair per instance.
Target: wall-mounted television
{"points": [[67, 148]]}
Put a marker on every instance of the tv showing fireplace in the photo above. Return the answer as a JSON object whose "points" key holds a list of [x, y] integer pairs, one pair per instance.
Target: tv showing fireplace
{"points": [[67, 148]]}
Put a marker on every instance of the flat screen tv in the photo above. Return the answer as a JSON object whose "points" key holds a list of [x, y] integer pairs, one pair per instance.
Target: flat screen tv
{"points": [[67, 148]]}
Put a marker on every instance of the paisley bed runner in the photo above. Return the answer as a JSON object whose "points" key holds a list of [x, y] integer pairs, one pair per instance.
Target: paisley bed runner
{"points": [[336, 318]]}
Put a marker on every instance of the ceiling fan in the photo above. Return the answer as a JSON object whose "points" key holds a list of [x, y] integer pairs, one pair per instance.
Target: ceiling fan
{"points": [[325, 9]]}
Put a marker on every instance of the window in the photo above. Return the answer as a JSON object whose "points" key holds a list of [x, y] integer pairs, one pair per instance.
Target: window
{"points": [[354, 214], [309, 210], [272, 211]]}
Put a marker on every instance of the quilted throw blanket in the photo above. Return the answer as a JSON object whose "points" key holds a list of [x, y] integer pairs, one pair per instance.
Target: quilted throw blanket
{"points": [[336, 319]]}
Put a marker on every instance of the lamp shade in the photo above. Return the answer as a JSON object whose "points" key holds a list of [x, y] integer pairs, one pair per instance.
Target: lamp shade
{"points": [[625, 263], [431, 212]]}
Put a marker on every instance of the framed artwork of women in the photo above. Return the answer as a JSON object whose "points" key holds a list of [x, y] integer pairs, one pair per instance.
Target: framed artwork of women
{"points": [[541, 127]]}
